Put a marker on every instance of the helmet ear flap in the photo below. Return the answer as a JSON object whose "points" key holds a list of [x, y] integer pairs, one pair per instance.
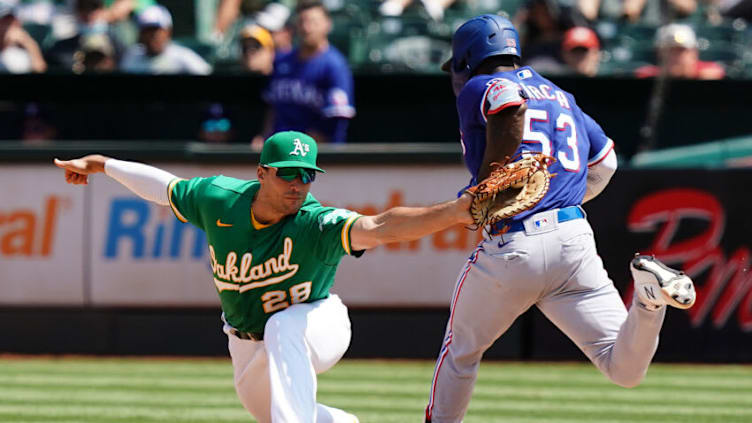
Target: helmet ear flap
{"points": [[464, 66]]}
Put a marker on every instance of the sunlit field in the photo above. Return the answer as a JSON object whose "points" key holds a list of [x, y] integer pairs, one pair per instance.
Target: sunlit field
{"points": [[86, 389]]}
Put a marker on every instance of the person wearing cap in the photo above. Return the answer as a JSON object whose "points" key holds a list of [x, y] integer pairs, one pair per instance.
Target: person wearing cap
{"points": [[90, 20], [581, 50], [677, 52], [258, 49], [273, 17], [542, 24], [311, 87], [95, 54], [19, 53], [274, 251], [156, 53]]}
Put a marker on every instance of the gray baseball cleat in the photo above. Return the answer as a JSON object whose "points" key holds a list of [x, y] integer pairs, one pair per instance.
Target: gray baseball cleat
{"points": [[657, 284]]}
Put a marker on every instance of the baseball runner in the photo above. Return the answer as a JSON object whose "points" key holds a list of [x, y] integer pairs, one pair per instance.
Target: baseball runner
{"points": [[274, 251], [545, 256]]}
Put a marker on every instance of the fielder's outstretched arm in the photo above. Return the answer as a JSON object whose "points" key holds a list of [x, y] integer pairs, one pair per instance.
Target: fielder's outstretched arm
{"points": [[408, 223], [148, 182]]}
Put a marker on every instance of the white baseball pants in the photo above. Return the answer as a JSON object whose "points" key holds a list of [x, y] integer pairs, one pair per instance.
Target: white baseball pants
{"points": [[558, 270], [276, 378]]}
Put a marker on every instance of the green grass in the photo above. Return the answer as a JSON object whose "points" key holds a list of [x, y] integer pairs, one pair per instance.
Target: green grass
{"points": [[102, 390]]}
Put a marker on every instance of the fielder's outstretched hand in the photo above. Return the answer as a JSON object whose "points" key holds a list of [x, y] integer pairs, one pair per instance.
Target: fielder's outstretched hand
{"points": [[76, 170]]}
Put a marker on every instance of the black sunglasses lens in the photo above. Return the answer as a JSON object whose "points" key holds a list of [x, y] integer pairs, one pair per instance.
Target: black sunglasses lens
{"points": [[290, 173]]}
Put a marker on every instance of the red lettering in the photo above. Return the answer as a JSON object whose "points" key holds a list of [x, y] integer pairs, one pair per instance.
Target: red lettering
{"points": [[670, 207], [711, 289], [740, 283], [745, 313], [728, 284]]}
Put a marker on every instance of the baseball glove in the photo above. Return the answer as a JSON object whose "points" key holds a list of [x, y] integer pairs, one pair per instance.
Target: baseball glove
{"points": [[510, 189]]}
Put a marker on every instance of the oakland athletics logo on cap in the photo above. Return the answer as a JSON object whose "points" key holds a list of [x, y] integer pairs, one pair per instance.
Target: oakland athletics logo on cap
{"points": [[290, 149], [300, 148]]}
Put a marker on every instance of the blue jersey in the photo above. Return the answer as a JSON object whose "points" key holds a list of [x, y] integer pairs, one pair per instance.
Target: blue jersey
{"points": [[554, 125], [312, 95]]}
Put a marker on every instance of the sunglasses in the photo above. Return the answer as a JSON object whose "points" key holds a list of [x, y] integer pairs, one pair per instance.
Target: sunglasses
{"points": [[290, 173]]}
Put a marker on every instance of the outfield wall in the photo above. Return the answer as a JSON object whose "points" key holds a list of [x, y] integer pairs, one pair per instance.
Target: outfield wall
{"points": [[95, 269]]}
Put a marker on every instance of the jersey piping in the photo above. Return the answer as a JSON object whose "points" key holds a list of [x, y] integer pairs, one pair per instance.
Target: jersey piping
{"points": [[169, 198], [602, 154]]}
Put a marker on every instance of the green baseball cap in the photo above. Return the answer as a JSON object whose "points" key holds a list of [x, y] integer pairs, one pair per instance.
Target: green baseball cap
{"points": [[290, 149]]}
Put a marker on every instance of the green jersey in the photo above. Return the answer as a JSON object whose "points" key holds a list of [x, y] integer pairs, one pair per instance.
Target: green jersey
{"points": [[260, 270]]}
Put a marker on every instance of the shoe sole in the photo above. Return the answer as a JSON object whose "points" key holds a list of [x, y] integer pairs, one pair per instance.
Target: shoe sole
{"points": [[670, 288]]}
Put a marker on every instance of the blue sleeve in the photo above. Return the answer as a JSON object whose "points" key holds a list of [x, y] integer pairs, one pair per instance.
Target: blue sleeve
{"points": [[470, 102], [600, 144], [339, 92]]}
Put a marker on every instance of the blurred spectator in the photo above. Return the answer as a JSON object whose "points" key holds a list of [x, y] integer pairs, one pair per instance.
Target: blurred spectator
{"points": [[434, 8], [678, 54], [275, 19], [735, 8], [156, 53], [120, 10], [227, 13], [311, 87], [19, 53], [542, 24], [216, 127], [645, 11], [271, 17], [89, 20], [36, 126], [33, 11], [258, 49], [589, 8], [581, 50], [96, 54], [650, 11]]}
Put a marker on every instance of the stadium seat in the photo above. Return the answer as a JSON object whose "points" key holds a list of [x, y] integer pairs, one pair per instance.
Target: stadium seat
{"points": [[721, 52], [715, 33]]}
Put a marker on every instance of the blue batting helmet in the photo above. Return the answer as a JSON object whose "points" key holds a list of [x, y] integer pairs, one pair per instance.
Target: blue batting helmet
{"points": [[479, 38]]}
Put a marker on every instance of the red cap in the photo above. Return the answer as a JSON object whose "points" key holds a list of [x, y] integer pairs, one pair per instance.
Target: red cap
{"points": [[580, 36]]}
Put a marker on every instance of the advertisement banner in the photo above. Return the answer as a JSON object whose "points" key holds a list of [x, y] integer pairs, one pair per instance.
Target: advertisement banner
{"points": [[697, 221], [41, 227], [142, 255], [102, 246]]}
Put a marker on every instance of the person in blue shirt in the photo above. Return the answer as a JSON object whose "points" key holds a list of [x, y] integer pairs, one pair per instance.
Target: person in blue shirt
{"points": [[545, 256], [311, 87]]}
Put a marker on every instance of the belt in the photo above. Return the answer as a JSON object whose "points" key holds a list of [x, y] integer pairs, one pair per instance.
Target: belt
{"points": [[563, 215], [253, 336]]}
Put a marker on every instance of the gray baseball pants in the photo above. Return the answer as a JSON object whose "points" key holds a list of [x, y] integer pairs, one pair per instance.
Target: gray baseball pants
{"points": [[557, 269]]}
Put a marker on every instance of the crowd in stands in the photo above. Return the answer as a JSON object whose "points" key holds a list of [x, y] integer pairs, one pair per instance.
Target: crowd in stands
{"points": [[308, 49], [585, 37]]}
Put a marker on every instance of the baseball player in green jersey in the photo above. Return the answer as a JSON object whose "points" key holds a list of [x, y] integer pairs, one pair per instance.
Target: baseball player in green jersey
{"points": [[274, 251]]}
